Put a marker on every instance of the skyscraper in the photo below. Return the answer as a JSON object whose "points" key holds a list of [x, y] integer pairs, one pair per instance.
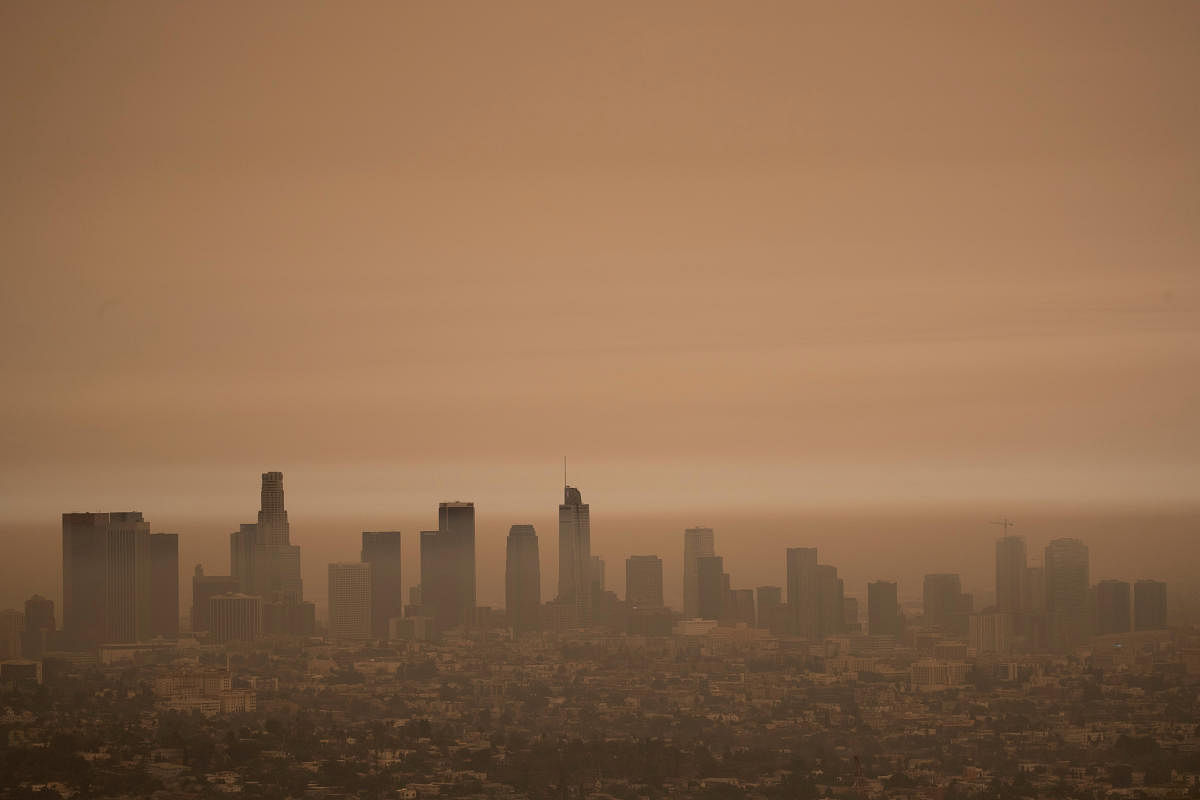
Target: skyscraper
{"points": [[382, 550], [235, 617], [830, 601], [350, 600], [12, 632], [1113, 607], [164, 585], [596, 576], [273, 527], [39, 627], [644, 582], [523, 580], [741, 603], [242, 544], [1067, 588], [448, 567], [768, 598], [1150, 605], [945, 605], [883, 608], [1010, 574], [106, 578], [204, 588], [712, 587], [276, 561], [802, 591], [575, 554], [697, 543]]}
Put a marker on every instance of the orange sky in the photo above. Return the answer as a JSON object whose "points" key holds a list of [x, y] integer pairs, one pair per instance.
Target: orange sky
{"points": [[721, 254]]}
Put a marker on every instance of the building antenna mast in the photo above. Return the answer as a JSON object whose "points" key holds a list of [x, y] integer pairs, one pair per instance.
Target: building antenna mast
{"points": [[1003, 522]]}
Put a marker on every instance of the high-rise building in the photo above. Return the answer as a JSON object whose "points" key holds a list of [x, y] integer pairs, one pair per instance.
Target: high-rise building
{"points": [[644, 582], [1010, 574], [106, 578], [350, 600], [235, 617], [1150, 605], [523, 580], [275, 560], [830, 600], [697, 543], [39, 627], [575, 554], [802, 591], [164, 585], [1067, 590], [448, 567], [945, 605], [850, 614], [204, 588], [12, 631], [382, 550], [768, 599], [1113, 607], [273, 527], [741, 603], [1035, 590], [242, 545], [712, 587], [596, 576], [883, 609]]}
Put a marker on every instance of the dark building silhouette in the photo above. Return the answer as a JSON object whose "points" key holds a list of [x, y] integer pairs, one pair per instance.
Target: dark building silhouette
{"points": [[382, 550], [644, 582], [1150, 605], [575, 555], [831, 601], [350, 600], [106, 578], [697, 543], [242, 544], [803, 591], [235, 617], [741, 603], [1067, 589], [711, 574], [768, 598], [204, 588], [850, 614], [883, 609], [945, 605], [523, 580], [12, 633], [40, 627], [448, 567], [164, 585], [1113, 607], [1010, 574]]}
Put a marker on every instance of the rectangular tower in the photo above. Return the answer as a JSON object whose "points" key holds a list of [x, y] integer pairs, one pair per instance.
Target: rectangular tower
{"points": [[164, 585], [1010, 574], [711, 578], [1113, 607], [350, 601], [382, 550], [575, 555], [697, 543], [1150, 605], [523, 580], [883, 609], [644, 582], [802, 591], [1067, 589]]}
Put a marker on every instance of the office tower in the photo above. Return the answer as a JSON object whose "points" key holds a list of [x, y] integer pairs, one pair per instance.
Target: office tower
{"points": [[711, 575], [741, 603], [883, 609], [39, 627], [644, 582], [946, 606], [272, 567], [802, 591], [106, 578], [381, 549], [204, 588], [1035, 590], [523, 580], [457, 520], [1067, 589], [768, 598], [850, 614], [12, 631], [1150, 605], [830, 600], [350, 601], [596, 576], [235, 617], [1010, 574], [164, 585], [242, 544], [1113, 607], [697, 543], [991, 631], [575, 555]]}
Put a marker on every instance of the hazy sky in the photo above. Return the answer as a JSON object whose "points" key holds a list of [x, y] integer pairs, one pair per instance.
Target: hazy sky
{"points": [[719, 254]]}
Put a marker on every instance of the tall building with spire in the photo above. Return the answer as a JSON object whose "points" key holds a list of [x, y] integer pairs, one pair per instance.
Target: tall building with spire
{"points": [[523, 580], [575, 555], [698, 543]]}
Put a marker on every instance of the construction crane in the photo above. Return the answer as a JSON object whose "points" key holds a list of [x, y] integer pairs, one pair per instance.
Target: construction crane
{"points": [[1004, 522]]}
